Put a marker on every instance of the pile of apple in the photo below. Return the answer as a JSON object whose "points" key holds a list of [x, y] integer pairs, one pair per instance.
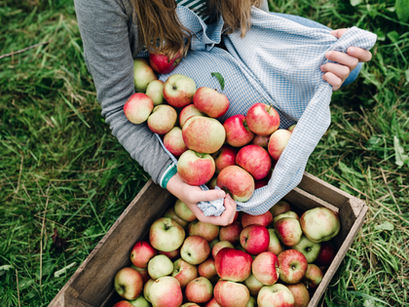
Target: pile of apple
{"points": [[268, 260], [236, 155]]}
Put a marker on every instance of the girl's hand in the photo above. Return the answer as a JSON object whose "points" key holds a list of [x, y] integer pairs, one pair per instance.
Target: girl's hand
{"points": [[191, 195], [336, 73]]}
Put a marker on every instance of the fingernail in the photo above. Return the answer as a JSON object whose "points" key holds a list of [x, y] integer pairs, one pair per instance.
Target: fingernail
{"points": [[351, 49]]}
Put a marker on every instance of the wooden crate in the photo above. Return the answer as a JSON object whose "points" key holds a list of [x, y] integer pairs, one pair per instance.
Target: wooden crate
{"points": [[92, 283]]}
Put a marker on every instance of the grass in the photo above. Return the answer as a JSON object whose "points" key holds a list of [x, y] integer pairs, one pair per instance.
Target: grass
{"points": [[64, 179]]}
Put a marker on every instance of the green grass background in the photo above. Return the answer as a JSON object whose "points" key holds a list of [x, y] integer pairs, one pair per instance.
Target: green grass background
{"points": [[64, 179]]}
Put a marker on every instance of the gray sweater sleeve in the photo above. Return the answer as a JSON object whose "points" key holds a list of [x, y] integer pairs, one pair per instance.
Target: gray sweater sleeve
{"points": [[104, 27]]}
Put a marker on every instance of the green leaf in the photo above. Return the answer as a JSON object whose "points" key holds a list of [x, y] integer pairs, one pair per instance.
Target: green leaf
{"points": [[219, 78], [402, 10], [407, 75], [400, 157], [393, 36], [355, 2], [385, 226]]}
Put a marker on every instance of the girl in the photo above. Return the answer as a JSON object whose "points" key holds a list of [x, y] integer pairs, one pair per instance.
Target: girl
{"points": [[114, 32]]}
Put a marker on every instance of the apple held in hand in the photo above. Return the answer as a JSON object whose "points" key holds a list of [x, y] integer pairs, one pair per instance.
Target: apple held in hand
{"points": [[138, 107], [261, 140], [166, 292], [231, 294], [211, 102], [236, 181], [277, 143], [166, 235], [320, 224], [163, 64], [233, 264], [237, 132], [162, 119], [292, 266], [195, 168], [254, 239], [188, 112], [254, 159], [262, 119], [265, 268], [276, 295], [309, 249], [178, 90], [155, 91], [128, 283], [143, 74], [173, 141], [141, 253], [226, 157]]}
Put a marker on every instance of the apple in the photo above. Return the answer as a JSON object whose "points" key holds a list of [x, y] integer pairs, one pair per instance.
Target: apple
{"points": [[195, 250], [219, 245], [233, 264], [162, 119], [184, 272], [190, 304], [141, 253], [236, 181], [253, 284], [265, 268], [166, 235], [260, 183], [262, 119], [128, 283], [276, 295], [280, 207], [199, 290], [230, 232], [252, 302], [160, 265], [231, 294], [183, 211], [162, 63], [155, 91], [166, 292], [203, 134], [172, 254], [309, 249], [277, 142], [292, 266], [313, 275], [289, 231], [171, 214], [301, 294], [205, 230], [146, 289], [261, 140], [207, 269], [212, 303], [254, 239], [262, 219], [320, 224], [123, 304], [291, 128], [195, 168], [210, 102], [237, 132], [138, 107], [142, 74], [143, 272], [178, 90], [173, 141], [188, 112], [140, 302], [254, 159], [326, 254], [291, 214], [226, 157], [274, 244]]}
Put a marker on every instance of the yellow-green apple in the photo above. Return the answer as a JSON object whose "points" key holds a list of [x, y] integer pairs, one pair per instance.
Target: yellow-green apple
{"points": [[146, 289], [178, 90], [166, 235], [231, 294], [288, 230], [171, 213], [187, 112], [190, 304], [155, 91], [280, 207], [172, 254], [184, 271], [212, 303], [236, 181], [162, 63], [195, 249], [141, 253], [252, 302], [265, 268], [262, 219], [254, 159], [292, 266], [291, 214], [277, 142], [225, 157], [166, 292], [195, 168], [276, 295], [173, 141], [219, 245], [313, 276], [159, 265], [254, 239], [320, 224], [274, 244], [211, 102], [233, 264], [237, 132], [326, 254], [143, 272], [308, 248], [230, 232], [138, 107], [300, 293], [199, 290], [291, 128], [262, 119], [205, 230], [140, 302], [203, 134], [261, 140], [183, 211], [143, 74], [128, 283], [253, 284], [123, 304], [162, 119]]}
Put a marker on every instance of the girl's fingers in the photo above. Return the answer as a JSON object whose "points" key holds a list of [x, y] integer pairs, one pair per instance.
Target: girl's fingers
{"points": [[361, 54], [333, 79], [342, 58], [209, 195], [338, 32], [340, 71]]}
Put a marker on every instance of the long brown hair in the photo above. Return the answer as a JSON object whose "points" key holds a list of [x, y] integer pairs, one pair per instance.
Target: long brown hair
{"points": [[161, 31]]}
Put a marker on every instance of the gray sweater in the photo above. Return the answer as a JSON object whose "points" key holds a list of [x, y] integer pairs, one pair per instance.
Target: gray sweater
{"points": [[110, 40]]}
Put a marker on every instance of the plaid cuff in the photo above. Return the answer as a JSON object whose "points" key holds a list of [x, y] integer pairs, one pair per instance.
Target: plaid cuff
{"points": [[167, 174]]}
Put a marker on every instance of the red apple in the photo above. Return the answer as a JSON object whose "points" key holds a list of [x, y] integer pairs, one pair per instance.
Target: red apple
{"points": [[199, 290], [226, 157], [173, 141], [143, 74], [253, 284], [260, 183], [276, 295], [166, 292], [261, 140], [277, 142], [254, 159], [178, 90], [195, 168], [166, 235], [262, 219], [313, 276], [162, 119], [211, 102], [233, 264], [183, 211], [141, 253], [254, 239], [212, 303], [188, 112], [138, 107], [207, 269], [288, 230], [205, 230], [236, 181], [326, 254], [155, 91], [184, 272], [123, 304], [195, 250], [280, 207], [219, 245], [143, 272], [265, 268], [163, 64], [230, 232], [237, 132], [300, 293], [292, 265], [231, 294], [320, 224], [262, 119], [128, 283]]}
